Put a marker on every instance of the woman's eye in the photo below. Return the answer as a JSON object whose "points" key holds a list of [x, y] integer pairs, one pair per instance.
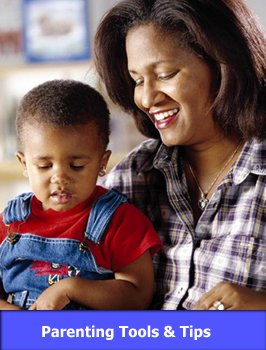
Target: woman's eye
{"points": [[138, 82], [166, 76]]}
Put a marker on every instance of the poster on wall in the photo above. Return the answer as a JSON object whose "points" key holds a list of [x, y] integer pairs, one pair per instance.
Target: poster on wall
{"points": [[55, 30], [10, 33]]}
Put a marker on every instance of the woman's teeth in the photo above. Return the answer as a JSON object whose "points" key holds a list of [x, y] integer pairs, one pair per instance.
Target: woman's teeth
{"points": [[163, 115]]}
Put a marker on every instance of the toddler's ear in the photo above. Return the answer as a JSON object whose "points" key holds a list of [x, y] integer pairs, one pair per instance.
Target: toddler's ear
{"points": [[105, 158], [21, 158], [102, 171]]}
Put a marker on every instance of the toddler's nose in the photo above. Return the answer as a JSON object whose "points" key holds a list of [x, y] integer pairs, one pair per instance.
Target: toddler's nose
{"points": [[59, 178]]}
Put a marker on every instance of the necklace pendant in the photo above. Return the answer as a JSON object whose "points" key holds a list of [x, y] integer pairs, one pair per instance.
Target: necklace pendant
{"points": [[202, 203]]}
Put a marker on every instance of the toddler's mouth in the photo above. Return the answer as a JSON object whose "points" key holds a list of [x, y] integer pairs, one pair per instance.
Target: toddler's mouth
{"points": [[61, 197]]}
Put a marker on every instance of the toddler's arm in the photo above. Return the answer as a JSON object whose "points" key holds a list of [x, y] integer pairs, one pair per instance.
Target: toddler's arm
{"points": [[132, 288], [4, 304]]}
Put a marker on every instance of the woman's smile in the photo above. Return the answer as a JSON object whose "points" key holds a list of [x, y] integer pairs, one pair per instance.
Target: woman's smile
{"points": [[172, 86], [165, 119]]}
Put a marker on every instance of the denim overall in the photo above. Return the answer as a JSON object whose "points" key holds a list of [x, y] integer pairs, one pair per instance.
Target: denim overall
{"points": [[30, 263]]}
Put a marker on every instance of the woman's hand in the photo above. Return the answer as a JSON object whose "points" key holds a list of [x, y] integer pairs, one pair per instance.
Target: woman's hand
{"points": [[229, 296], [53, 298]]}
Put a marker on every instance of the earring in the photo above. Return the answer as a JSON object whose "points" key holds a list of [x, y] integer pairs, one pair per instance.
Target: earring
{"points": [[102, 171], [25, 173]]}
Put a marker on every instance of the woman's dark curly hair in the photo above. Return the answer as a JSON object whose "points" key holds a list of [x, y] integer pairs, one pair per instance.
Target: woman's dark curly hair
{"points": [[224, 33]]}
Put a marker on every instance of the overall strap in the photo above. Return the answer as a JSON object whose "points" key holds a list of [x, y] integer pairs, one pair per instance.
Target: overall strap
{"points": [[101, 214], [18, 209]]}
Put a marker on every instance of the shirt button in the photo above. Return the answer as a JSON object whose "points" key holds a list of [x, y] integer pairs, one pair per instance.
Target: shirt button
{"points": [[12, 238], [263, 270], [203, 229], [83, 247], [179, 290]]}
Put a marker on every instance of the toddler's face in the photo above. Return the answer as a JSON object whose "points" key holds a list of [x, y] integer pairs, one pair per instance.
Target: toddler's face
{"points": [[62, 164]]}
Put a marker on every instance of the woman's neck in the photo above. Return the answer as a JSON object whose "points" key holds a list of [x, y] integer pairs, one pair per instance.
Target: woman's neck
{"points": [[205, 166], [208, 159]]}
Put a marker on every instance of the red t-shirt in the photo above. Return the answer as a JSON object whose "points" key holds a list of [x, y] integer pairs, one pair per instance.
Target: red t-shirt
{"points": [[128, 235]]}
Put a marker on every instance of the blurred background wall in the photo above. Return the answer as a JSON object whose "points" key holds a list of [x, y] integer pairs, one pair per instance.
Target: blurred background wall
{"points": [[48, 39]]}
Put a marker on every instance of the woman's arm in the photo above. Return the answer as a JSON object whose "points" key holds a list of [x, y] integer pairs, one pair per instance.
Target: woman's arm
{"points": [[132, 288]]}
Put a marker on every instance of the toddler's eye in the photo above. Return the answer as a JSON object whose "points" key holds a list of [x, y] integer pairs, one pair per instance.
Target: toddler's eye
{"points": [[77, 166], [44, 166]]}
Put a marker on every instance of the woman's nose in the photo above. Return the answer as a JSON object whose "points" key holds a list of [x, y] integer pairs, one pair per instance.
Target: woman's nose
{"points": [[151, 95]]}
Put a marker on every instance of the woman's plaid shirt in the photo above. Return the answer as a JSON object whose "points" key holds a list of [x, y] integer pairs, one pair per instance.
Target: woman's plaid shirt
{"points": [[229, 240]]}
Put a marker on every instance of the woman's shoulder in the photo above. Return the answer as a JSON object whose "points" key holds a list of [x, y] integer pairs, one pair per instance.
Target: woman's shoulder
{"points": [[141, 156], [125, 174], [253, 153]]}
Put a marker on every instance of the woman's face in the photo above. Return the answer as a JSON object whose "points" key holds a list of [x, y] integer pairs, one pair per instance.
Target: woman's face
{"points": [[172, 86]]}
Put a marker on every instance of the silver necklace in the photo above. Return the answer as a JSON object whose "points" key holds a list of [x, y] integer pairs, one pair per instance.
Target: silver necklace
{"points": [[203, 201]]}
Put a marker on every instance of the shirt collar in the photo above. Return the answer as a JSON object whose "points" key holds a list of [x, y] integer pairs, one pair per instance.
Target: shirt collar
{"points": [[251, 160], [154, 154], [165, 156]]}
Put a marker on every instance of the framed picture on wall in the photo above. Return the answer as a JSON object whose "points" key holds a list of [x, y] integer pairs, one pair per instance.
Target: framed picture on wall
{"points": [[10, 33], [55, 30]]}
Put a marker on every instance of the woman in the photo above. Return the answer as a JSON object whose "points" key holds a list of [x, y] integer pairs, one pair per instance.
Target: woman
{"points": [[192, 73]]}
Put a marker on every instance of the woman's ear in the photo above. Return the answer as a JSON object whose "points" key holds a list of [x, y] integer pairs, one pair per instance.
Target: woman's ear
{"points": [[104, 162], [21, 158]]}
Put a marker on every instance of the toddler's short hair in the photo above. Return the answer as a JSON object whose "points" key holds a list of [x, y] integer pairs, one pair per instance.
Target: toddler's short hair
{"points": [[63, 103]]}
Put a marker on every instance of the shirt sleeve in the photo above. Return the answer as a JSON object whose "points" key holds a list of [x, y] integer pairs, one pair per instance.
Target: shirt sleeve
{"points": [[3, 229], [128, 235]]}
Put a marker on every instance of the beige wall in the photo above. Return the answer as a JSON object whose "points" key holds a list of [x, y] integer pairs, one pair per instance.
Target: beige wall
{"points": [[16, 79]]}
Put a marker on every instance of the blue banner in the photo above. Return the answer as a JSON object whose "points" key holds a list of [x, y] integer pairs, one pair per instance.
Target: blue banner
{"points": [[121, 330]]}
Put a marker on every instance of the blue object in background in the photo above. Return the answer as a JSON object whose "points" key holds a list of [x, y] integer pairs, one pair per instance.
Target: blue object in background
{"points": [[55, 30]]}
